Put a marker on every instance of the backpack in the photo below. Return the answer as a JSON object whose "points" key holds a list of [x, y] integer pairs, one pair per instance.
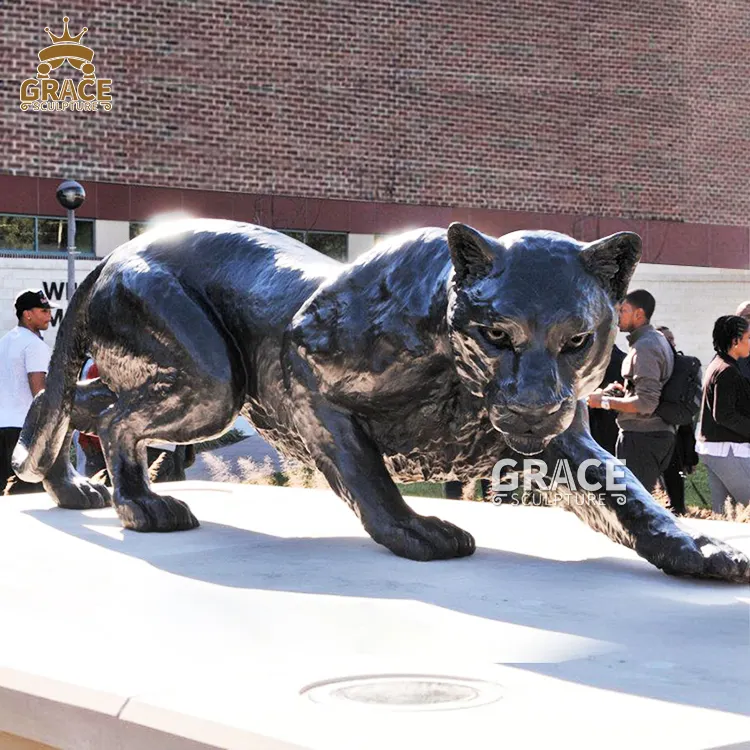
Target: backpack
{"points": [[681, 396]]}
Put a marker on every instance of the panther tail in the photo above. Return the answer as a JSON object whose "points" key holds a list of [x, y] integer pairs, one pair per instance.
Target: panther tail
{"points": [[47, 422]]}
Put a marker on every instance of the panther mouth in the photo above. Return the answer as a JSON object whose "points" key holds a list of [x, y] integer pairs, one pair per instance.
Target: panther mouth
{"points": [[527, 442], [526, 445], [529, 439]]}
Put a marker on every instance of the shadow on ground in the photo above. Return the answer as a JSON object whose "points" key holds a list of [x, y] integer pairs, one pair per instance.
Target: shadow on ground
{"points": [[673, 637]]}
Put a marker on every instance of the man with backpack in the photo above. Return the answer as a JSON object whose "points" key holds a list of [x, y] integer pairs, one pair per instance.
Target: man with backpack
{"points": [[645, 441], [684, 458]]}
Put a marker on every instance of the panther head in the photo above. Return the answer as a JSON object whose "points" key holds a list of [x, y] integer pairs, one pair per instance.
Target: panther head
{"points": [[532, 320]]}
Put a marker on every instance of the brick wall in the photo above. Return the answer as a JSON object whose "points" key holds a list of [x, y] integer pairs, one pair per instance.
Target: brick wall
{"points": [[635, 109]]}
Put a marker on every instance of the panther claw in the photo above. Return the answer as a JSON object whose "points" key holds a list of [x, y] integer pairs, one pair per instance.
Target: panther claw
{"points": [[426, 538], [701, 556]]}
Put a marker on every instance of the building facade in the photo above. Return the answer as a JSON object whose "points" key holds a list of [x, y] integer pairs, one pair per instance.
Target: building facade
{"points": [[344, 121]]}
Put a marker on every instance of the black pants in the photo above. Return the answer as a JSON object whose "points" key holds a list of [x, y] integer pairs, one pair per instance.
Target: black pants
{"points": [[94, 458], [10, 484], [604, 429], [646, 454], [674, 485]]}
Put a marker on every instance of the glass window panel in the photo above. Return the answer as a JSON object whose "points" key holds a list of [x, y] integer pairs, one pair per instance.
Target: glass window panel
{"points": [[329, 243], [294, 234], [137, 227], [53, 236], [17, 233]]}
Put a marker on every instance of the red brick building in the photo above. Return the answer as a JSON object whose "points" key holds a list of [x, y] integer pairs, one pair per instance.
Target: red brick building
{"points": [[366, 117]]}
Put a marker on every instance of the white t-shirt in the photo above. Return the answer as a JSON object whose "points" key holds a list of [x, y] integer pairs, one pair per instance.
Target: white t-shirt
{"points": [[21, 352]]}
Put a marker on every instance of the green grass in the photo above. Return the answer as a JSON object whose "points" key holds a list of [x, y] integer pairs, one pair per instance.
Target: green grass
{"points": [[422, 489], [696, 488], [697, 492]]}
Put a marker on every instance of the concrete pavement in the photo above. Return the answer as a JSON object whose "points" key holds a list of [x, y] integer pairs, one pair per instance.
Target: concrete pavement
{"points": [[280, 624]]}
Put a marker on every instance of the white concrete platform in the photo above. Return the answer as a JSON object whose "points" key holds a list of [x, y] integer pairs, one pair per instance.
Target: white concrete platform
{"points": [[555, 636]]}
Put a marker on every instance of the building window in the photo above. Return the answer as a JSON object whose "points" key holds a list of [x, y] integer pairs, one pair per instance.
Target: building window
{"points": [[17, 233], [41, 234], [52, 236], [333, 244], [137, 227]]}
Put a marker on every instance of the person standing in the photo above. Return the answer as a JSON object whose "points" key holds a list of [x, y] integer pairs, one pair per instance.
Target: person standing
{"points": [[645, 441], [684, 457], [743, 310], [603, 424], [724, 433], [24, 359], [89, 455]]}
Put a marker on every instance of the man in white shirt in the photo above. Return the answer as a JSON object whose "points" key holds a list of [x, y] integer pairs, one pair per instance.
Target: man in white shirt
{"points": [[24, 359]]}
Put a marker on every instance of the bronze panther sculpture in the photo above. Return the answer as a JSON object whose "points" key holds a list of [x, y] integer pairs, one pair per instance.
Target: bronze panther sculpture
{"points": [[430, 357]]}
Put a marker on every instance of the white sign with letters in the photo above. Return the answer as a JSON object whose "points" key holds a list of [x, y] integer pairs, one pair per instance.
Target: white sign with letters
{"points": [[49, 275]]}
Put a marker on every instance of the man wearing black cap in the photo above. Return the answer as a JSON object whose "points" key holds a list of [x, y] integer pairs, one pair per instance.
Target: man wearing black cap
{"points": [[24, 358]]}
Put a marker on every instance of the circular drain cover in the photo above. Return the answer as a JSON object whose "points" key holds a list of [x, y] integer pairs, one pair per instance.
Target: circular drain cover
{"points": [[405, 692]]}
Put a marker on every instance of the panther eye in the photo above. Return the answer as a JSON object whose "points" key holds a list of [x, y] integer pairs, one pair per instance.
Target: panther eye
{"points": [[577, 342], [497, 338]]}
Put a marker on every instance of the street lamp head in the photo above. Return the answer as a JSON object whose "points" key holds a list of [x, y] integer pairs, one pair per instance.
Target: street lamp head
{"points": [[70, 194]]}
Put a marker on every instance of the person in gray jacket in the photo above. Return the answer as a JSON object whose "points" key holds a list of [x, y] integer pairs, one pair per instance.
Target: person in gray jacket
{"points": [[645, 441]]}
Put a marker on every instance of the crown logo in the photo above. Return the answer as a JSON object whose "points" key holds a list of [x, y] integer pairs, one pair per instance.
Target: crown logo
{"points": [[47, 92], [66, 37], [66, 48]]}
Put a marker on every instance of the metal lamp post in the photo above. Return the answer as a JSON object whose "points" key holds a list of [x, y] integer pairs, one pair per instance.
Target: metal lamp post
{"points": [[71, 195]]}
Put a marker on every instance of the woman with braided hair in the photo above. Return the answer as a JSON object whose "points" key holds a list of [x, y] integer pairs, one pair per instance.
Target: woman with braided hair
{"points": [[724, 433]]}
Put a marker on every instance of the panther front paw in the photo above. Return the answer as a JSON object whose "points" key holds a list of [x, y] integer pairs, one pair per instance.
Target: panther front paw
{"points": [[722, 560], [701, 556], [153, 512], [426, 538], [78, 493]]}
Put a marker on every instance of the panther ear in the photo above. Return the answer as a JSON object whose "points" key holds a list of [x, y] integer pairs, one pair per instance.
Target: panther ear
{"points": [[612, 261], [471, 254]]}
